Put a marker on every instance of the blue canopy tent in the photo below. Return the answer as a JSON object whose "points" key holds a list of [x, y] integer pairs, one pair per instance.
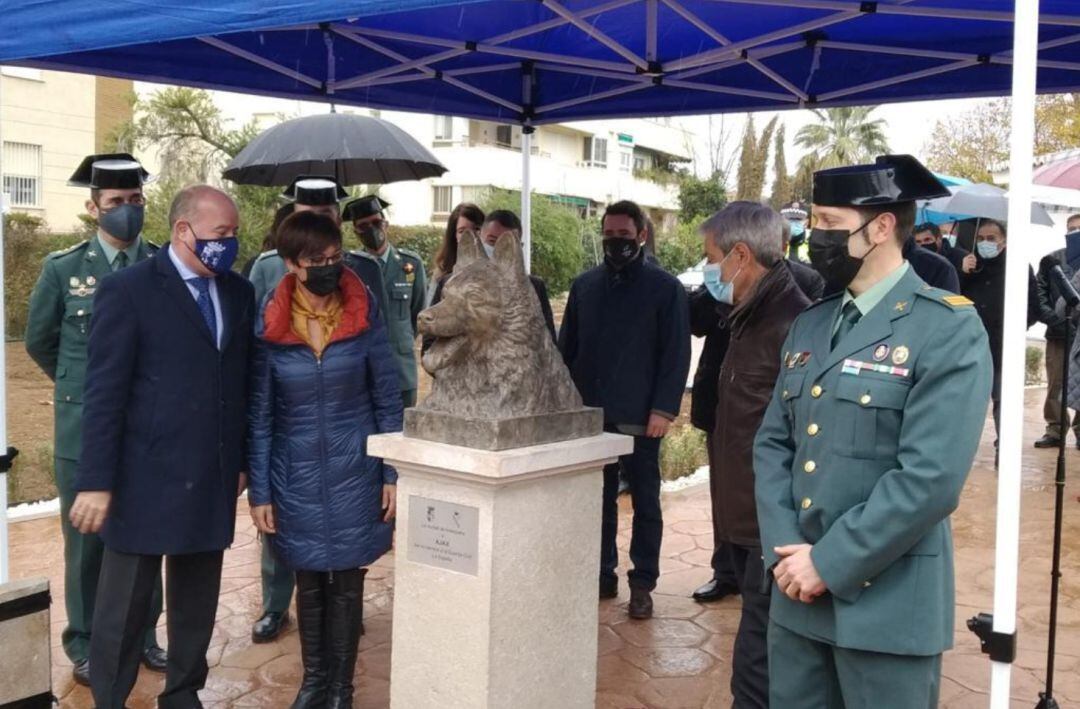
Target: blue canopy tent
{"points": [[541, 61]]}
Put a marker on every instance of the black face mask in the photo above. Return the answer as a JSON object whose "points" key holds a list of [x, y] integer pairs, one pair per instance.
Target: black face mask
{"points": [[619, 252], [371, 237], [323, 280], [830, 257]]}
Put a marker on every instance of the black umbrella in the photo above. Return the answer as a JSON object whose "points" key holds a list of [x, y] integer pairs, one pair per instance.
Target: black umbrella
{"points": [[354, 150]]}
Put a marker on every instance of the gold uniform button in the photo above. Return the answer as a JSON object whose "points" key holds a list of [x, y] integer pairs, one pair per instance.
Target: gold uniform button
{"points": [[864, 399], [866, 584], [813, 429], [784, 395], [810, 466], [816, 391], [806, 502]]}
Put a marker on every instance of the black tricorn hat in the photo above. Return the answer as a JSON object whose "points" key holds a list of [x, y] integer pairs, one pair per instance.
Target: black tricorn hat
{"points": [[891, 179], [364, 207], [315, 190], [109, 171]]}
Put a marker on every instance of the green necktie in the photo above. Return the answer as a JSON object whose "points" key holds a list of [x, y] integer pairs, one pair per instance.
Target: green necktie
{"points": [[121, 260], [848, 317]]}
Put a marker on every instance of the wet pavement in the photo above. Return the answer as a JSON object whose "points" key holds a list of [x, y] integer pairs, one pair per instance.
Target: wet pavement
{"points": [[681, 658]]}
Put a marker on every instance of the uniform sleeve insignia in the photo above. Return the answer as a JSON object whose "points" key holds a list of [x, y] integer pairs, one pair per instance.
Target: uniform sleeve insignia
{"points": [[957, 300], [408, 268]]}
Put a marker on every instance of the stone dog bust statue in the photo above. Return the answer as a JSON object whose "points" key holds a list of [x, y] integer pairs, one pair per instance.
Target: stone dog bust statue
{"points": [[494, 361]]}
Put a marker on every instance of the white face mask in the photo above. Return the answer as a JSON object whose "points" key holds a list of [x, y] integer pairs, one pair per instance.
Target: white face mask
{"points": [[488, 249], [988, 249]]}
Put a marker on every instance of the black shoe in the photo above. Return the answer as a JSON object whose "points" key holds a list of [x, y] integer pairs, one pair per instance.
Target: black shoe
{"points": [[714, 590], [344, 616], [1049, 441], [310, 611], [609, 588], [81, 672], [267, 628], [155, 659], [640, 607]]}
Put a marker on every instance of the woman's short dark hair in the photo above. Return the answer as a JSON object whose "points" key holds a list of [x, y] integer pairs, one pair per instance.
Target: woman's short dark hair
{"points": [[306, 234], [505, 218], [446, 258]]}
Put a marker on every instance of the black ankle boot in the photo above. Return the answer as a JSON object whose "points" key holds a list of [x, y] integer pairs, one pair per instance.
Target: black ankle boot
{"points": [[311, 619], [344, 619]]}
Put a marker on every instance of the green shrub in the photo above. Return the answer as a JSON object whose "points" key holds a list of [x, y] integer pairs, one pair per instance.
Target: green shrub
{"points": [[26, 244], [681, 249], [423, 240], [557, 234], [682, 452], [1033, 365]]}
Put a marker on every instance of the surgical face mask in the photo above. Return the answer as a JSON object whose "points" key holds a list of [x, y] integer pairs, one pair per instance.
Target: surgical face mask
{"points": [[951, 238], [488, 249], [124, 222], [722, 291], [988, 249], [620, 252], [323, 280], [829, 255], [218, 255], [371, 237], [798, 231]]}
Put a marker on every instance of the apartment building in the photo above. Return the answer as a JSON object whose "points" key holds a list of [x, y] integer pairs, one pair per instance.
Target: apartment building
{"points": [[49, 121]]}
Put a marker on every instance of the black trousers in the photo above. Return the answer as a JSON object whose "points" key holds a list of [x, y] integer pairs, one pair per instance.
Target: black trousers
{"points": [[723, 572], [125, 590], [642, 471], [750, 661]]}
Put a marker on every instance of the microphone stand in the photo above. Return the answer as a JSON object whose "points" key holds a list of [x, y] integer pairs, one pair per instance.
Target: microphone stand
{"points": [[1071, 299]]}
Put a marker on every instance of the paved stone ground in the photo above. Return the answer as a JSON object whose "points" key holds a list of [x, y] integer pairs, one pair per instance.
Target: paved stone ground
{"points": [[680, 659]]}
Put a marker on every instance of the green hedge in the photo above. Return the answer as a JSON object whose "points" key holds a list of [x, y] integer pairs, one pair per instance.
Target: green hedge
{"points": [[26, 244]]}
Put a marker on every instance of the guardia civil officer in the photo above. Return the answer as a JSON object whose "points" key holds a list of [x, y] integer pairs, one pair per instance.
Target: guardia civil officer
{"points": [[863, 453], [57, 332], [405, 281], [321, 195]]}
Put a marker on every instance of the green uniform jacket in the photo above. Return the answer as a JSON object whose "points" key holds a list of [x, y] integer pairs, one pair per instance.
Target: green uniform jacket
{"points": [[863, 453], [406, 290], [58, 326]]}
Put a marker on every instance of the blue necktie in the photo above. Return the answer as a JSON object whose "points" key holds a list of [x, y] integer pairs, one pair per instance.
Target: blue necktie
{"points": [[206, 305]]}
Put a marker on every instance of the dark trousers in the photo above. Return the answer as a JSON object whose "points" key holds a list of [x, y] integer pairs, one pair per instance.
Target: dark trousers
{"points": [[82, 567], [722, 569], [124, 596], [1055, 426], [750, 661], [277, 581], [642, 471]]}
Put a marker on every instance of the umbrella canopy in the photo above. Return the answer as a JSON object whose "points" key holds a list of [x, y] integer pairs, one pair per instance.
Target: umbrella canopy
{"points": [[950, 181], [552, 61], [352, 149], [990, 202], [936, 211], [1060, 173]]}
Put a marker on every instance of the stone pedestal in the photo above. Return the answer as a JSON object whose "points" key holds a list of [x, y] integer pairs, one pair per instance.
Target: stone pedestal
{"points": [[25, 664], [496, 571]]}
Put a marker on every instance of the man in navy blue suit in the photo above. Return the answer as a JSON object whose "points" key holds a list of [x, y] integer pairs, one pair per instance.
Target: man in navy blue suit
{"points": [[163, 445]]}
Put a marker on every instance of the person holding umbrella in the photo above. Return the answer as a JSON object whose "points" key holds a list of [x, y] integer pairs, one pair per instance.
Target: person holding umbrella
{"points": [[404, 279]]}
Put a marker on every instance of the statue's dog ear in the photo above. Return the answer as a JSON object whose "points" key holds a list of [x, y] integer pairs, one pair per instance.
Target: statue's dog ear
{"points": [[469, 249], [508, 253]]}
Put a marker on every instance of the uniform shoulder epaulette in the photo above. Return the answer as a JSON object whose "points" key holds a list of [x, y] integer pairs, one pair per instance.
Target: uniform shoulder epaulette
{"points": [[410, 254], [361, 253], [69, 250], [939, 295], [266, 254], [152, 246]]}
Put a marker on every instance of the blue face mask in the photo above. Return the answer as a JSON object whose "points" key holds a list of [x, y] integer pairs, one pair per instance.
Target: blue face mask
{"points": [[797, 230], [218, 255], [722, 291], [988, 249]]}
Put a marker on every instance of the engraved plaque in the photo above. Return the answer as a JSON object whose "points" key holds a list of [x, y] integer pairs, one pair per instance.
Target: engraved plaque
{"points": [[443, 534]]}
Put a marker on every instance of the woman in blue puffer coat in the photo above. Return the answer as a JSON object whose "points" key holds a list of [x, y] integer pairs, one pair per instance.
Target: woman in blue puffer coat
{"points": [[324, 379]]}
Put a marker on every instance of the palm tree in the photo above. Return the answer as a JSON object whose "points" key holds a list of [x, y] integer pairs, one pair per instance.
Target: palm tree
{"points": [[843, 136]]}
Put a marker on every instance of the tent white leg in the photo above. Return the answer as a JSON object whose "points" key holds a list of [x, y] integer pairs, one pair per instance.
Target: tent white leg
{"points": [[1025, 51], [526, 201], [5, 570]]}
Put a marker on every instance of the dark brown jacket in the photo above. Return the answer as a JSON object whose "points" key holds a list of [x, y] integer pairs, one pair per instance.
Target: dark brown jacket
{"points": [[747, 376]]}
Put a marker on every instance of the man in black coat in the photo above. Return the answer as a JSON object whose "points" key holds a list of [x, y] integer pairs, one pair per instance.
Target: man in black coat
{"points": [[1057, 346], [929, 237], [163, 443], [626, 340]]}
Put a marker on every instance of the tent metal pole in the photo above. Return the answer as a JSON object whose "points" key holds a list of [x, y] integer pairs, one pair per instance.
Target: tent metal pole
{"points": [[526, 195], [595, 33], [5, 569], [1021, 157], [880, 8], [1000, 58], [261, 61], [892, 81]]}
